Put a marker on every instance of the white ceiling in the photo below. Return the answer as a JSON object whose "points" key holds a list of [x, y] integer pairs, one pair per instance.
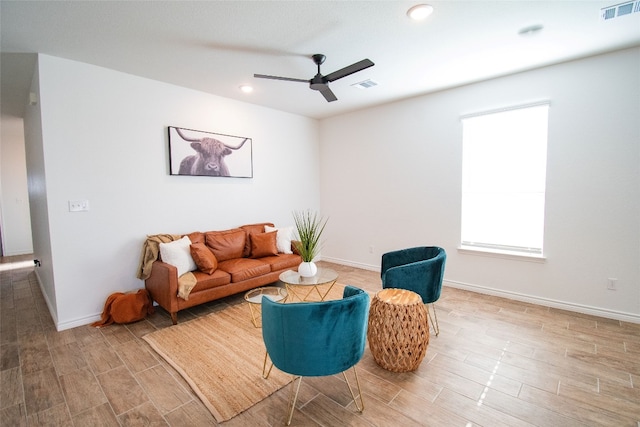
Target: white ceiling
{"points": [[215, 46]]}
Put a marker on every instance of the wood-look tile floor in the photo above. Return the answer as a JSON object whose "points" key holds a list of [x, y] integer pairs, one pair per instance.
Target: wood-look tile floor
{"points": [[496, 362]]}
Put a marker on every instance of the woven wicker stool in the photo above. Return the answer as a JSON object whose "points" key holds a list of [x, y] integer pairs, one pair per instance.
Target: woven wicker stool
{"points": [[398, 330]]}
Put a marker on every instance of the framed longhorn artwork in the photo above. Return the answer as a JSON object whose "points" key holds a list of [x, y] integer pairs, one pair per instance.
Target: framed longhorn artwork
{"points": [[199, 153]]}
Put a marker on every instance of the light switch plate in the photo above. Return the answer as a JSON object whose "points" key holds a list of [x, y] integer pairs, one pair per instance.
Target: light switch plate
{"points": [[78, 205]]}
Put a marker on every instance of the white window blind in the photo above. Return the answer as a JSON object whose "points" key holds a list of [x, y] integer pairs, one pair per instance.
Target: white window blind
{"points": [[503, 179]]}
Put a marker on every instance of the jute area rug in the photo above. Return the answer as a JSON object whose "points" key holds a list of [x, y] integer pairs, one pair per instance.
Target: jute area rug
{"points": [[221, 357]]}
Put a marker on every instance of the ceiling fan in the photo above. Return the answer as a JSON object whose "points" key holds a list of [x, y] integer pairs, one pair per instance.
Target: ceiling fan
{"points": [[320, 82]]}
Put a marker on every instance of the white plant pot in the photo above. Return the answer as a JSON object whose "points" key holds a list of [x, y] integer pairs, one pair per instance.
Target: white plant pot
{"points": [[307, 269]]}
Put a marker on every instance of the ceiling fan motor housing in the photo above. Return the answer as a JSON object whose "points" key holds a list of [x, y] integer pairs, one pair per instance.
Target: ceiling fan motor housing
{"points": [[318, 82]]}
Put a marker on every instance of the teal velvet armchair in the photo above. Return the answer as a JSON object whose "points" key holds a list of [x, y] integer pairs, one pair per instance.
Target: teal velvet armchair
{"points": [[317, 338], [419, 269]]}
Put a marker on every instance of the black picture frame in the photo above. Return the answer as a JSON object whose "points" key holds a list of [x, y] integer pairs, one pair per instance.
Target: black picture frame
{"points": [[200, 153]]}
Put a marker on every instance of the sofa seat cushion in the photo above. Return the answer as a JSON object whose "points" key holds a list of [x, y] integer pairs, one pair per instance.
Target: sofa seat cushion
{"points": [[282, 261], [244, 268], [207, 281]]}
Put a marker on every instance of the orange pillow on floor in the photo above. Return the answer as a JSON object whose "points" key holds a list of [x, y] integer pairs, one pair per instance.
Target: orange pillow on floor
{"points": [[125, 308]]}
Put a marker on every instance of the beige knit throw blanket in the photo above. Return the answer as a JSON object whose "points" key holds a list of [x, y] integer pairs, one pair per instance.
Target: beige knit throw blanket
{"points": [[186, 283], [151, 252]]}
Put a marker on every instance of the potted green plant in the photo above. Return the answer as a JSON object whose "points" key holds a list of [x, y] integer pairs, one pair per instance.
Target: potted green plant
{"points": [[310, 226]]}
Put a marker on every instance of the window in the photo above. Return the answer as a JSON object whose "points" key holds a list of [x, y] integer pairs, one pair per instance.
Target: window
{"points": [[504, 158]]}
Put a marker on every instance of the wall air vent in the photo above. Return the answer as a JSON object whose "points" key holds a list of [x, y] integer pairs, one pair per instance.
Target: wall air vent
{"points": [[366, 84], [618, 10]]}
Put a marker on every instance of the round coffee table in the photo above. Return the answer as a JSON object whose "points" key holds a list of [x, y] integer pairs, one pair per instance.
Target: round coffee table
{"points": [[301, 288], [254, 298], [398, 331]]}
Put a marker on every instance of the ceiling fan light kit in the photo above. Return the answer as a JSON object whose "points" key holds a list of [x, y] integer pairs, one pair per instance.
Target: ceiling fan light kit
{"points": [[320, 82]]}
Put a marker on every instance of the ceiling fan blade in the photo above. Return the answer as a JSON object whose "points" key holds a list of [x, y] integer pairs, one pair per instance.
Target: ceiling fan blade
{"points": [[289, 79], [328, 94], [353, 68]]}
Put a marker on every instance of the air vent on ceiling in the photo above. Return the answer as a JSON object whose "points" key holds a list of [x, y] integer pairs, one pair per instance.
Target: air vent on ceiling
{"points": [[619, 10], [365, 84]]}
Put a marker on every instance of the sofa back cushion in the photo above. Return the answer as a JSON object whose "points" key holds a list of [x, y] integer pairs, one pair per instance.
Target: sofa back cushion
{"points": [[196, 237], [251, 229], [226, 244], [263, 244], [204, 258]]}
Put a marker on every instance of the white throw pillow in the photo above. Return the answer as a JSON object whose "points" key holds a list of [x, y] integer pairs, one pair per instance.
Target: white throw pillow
{"points": [[283, 238], [178, 254]]}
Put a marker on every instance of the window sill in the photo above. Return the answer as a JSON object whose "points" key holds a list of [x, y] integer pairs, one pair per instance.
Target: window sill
{"points": [[495, 253]]}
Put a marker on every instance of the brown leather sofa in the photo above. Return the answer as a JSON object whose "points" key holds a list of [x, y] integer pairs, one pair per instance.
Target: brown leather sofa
{"points": [[246, 258]]}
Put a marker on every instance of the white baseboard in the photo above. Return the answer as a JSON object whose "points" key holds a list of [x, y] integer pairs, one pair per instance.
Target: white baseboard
{"points": [[50, 306], [61, 326], [83, 321], [547, 302], [351, 263], [563, 305]]}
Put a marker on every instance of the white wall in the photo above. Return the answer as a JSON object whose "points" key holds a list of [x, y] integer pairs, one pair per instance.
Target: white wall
{"points": [[391, 178], [38, 204], [105, 140], [14, 198]]}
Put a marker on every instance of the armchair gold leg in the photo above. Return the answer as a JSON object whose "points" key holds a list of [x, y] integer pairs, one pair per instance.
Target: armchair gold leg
{"points": [[355, 401], [265, 373], [295, 389], [434, 325], [293, 399]]}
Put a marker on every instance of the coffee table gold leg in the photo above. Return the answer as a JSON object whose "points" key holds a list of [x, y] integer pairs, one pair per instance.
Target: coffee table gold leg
{"points": [[323, 296], [306, 297], [291, 291], [253, 311]]}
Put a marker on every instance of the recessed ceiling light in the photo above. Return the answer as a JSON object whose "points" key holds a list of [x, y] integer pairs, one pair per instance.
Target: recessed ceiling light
{"points": [[420, 12], [531, 30], [246, 88]]}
